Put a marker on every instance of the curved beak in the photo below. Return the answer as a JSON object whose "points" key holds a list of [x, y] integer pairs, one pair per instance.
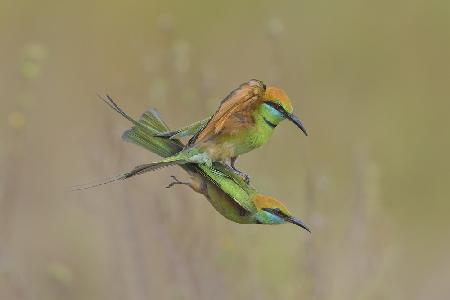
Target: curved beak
{"points": [[297, 222], [293, 118]]}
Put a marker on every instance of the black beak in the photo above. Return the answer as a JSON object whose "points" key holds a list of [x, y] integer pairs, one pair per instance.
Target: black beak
{"points": [[293, 118], [297, 222]]}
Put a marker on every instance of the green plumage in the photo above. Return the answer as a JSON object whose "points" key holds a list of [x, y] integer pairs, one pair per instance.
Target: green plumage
{"points": [[143, 134], [244, 121], [227, 192]]}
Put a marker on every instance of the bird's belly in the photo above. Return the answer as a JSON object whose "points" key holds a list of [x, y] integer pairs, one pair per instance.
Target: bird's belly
{"points": [[226, 206], [252, 141], [220, 150], [232, 145]]}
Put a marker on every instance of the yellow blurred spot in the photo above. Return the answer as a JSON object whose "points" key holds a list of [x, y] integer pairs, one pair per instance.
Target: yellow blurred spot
{"points": [[61, 273], [16, 120], [32, 62], [30, 69]]}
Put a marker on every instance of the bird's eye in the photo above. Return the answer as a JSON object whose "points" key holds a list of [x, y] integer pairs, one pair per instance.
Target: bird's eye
{"points": [[275, 211], [275, 105]]}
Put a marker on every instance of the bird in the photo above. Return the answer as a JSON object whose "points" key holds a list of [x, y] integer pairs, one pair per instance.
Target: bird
{"points": [[230, 195], [245, 120]]}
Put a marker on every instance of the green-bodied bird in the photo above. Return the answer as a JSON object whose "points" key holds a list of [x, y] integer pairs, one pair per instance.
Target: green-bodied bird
{"points": [[245, 120], [229, 194]]}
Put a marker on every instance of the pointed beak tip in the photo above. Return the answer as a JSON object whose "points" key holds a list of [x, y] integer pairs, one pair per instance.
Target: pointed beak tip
{"points": [[306, 228], [302, 128], [299, 223], [294, 119]]}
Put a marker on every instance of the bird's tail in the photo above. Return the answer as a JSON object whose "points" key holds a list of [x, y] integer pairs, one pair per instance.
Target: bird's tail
{"points": [[143, 134], [144, 131]]}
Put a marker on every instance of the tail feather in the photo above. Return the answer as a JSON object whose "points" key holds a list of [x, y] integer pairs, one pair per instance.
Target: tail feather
{"points": [[152, 119], [138, 170], [143, 134], [189, 130], [155, 145], [160, 146]]}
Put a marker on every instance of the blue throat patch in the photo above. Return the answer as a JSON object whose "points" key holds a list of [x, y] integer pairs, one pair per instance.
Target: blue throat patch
{"points": [[273, 111]]}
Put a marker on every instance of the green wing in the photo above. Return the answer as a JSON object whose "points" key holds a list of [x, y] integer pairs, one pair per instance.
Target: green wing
{"points": [[184, 131], [231, 174], [241, 193], [220, 174], [145, 133]]}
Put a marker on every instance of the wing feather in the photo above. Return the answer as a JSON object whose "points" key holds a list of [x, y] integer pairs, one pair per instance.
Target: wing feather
{"points": [[241, 195], [238, 102]]}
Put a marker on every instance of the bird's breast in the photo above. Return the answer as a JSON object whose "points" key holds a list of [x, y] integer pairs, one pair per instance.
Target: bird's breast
{"points": [[220, 149], [259, 135], [226, 206], [235, 143]]}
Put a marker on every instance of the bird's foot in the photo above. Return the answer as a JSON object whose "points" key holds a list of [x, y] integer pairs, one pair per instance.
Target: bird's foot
{"points": [[243, 175], [246, 177], [175, 182], [237, 174]]}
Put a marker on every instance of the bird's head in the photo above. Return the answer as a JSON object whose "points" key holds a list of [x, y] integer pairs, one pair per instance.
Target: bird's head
{"points": [[271, 211], [277, 106]]}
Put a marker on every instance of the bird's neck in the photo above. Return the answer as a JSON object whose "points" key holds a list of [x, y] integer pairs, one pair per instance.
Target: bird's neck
{"points": [[262, 131], [269, 115], [264, 217], [266, 119]]}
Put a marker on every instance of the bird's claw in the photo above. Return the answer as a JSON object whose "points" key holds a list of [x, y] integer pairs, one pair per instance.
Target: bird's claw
{"points": [[175, 182], [244, 176]]}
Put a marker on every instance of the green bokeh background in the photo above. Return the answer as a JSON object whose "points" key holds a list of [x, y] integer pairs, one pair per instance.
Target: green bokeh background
{"points": [[370, 80]]}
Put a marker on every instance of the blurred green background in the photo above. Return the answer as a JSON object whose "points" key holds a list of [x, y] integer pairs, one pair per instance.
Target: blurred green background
{"points": [[370, 80]]}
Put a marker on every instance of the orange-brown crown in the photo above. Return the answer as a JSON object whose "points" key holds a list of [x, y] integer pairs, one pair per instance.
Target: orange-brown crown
{"points": [[263, 201], [279, 96]]}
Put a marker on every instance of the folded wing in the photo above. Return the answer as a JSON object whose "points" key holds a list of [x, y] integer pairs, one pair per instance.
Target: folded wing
{"points": [[235, 108]]}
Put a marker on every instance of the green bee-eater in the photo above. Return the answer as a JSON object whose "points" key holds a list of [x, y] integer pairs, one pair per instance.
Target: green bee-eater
{"points": [[245, 120], [229, 194]]}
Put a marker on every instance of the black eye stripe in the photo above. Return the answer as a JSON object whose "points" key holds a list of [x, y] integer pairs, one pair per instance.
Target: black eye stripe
{"points": [[275, 211], [276, 106]]}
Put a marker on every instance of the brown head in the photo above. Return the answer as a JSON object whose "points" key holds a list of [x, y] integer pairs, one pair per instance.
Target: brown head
{"points": [[279, 96], [277, 105], [272, 211]]}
